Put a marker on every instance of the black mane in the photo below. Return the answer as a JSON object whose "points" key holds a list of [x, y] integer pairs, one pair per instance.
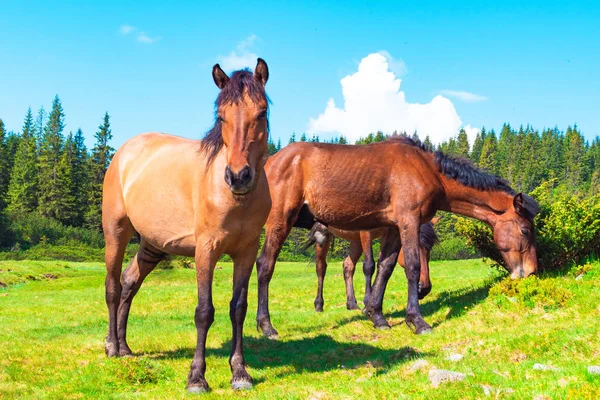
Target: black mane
{"points": [[240, 82], [427, 236], [463, 171]]}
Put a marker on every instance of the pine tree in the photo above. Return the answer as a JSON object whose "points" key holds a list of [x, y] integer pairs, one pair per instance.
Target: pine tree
{"points": [[427, 143], [39, 123], [343, 140], [292, 138], [271, 148], [303, 137], [54, 196], [4, 167], [478, 145], [75, 166], [98, 164], [379, 137], [488, 160], [278, 147], [574, 157], [462, 144], [23, 188]]}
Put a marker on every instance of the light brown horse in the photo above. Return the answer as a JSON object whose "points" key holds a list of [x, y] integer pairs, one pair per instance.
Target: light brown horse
{"points": [[192, 198], [399, 184], [362, 242]]}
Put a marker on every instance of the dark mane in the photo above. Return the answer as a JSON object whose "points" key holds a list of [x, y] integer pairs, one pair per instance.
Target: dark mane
{"points": [[427, 236], [463, 171], [240, 82]]}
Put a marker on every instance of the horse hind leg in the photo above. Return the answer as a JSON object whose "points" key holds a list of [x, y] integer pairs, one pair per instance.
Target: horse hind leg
{"points": [[349, 268], [117, 233], [321, 253], [144, 261]]}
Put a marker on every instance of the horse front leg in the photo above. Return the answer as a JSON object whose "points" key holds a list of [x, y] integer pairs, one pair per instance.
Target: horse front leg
{"points": [[265, 265], [390, 247], [366, 244], [206, 259], [242, 269], [412, 268]]}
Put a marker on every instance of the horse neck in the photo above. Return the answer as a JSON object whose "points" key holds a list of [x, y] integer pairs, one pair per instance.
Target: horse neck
{"points": [[483, 205]]}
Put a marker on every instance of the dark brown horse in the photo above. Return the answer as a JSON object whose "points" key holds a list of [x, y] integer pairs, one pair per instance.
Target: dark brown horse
{"points": [[362, 242], [399, 184], [193, 198]]}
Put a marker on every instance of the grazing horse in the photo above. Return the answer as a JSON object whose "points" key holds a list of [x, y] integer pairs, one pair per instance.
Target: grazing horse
{"points": [[399, 184], [362, 242], [192, 198]]}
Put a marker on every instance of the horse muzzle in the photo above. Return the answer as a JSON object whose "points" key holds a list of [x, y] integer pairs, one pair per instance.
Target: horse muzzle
{"points": [[240, 183]]}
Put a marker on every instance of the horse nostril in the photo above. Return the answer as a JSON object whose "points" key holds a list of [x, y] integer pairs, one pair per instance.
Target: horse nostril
{"points": [[229, 175], [245, 175]]}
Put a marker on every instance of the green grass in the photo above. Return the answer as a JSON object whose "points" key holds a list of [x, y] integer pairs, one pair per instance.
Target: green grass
{"points": [[53, 327]]}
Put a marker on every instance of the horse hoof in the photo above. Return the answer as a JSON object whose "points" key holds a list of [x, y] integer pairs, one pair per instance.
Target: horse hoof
{"points": [[125, 351], [352, 306], [424, 331], [197, 389], [418, 325], [273, 336], [241, 385], [111, 349], [319, 309], [383, 327]]}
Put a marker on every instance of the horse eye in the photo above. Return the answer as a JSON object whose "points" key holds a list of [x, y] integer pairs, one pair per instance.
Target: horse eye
{"points": [[525, 232], [262, 115], [220, 119]]}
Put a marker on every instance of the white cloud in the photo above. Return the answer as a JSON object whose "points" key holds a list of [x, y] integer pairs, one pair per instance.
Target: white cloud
{"points": [[144, 38], [398, 67], [467, 97], [126, 29], [373, 101], [471, 133], [241, 57]]}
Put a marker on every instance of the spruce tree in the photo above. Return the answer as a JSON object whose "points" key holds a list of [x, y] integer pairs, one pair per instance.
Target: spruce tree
{"points": [[574, 158], [488, 160], [98, 164], [462, 144], [4, 167], [427, 143], [343, 140], [79, 166], [23, 188], [54, 196], [292, 138], [303, 137], [478, 145]]}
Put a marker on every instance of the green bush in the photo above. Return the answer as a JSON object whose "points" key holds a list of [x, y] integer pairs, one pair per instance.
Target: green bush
{"points": [[33, 229], [452, 248], [567, 228], [531, 292]]}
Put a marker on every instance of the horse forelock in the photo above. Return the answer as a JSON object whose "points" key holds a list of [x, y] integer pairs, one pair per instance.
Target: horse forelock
{"points": [[240, 83]]}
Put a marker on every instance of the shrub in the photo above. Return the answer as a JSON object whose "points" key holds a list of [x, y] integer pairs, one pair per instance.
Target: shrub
{"points": [[452, 248], [531, 292], [567, 228]]}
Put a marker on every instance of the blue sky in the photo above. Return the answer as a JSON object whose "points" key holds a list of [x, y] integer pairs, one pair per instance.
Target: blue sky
{"points": [[521, 63]]}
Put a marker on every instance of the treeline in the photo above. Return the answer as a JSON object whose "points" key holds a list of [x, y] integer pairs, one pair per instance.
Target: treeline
{"points": [[47, 176]]}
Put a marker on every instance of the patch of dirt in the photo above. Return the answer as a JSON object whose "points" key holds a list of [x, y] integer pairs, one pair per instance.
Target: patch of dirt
{"points": [[2, 284], [50, 276], [518, 357]]}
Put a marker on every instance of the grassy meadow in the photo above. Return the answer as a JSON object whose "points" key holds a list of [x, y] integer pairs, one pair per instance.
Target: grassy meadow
{"points": [[53, 322]]}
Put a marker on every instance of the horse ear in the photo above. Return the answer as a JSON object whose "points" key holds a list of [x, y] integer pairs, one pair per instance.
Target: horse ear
{"points": [[221, 79], [261, 72], [519, 204], [435, 220]]}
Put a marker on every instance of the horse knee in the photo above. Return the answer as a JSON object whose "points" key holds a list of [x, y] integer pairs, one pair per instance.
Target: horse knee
{"points": [[204, 316]]}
